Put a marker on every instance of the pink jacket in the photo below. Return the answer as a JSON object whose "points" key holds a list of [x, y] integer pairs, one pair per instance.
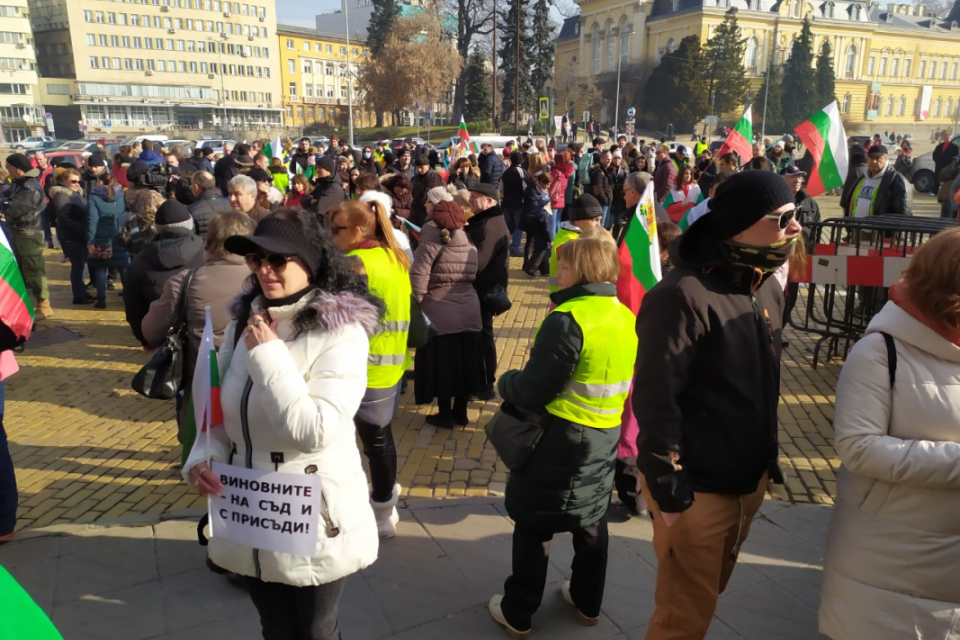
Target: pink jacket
{"points": [[560, 173]]}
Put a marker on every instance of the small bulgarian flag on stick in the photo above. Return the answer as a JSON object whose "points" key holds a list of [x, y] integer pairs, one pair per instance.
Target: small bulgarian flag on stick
{"points": [[204, 412], [412, 228], [16, 309], [274, 149], [465, 143], [639, 254], [824, 137]]}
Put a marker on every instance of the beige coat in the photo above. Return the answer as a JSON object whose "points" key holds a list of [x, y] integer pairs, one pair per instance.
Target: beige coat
{"points": [[892, 566]]}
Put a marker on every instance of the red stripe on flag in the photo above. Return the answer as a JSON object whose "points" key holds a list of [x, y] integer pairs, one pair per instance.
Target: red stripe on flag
{"points": [[215, 411], [629, 290], [866, 271], [736, 142], [814, 142]]}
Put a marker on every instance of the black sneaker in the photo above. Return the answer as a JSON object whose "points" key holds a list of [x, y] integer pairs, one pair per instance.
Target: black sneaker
{"points": [[486, 394], [530, 274], [444, 422]]}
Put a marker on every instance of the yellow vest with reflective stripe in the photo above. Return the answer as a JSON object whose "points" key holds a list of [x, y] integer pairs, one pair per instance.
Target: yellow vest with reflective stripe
{"points": [[597, 391], [563, 236], [389, 281]]}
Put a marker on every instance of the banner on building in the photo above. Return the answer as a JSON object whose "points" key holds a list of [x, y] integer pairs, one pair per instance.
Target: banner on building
{"points": [[926, 92]]}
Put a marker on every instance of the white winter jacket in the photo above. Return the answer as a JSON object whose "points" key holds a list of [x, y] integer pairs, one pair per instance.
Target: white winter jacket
{"points": [[303, 395], [892, 566]]}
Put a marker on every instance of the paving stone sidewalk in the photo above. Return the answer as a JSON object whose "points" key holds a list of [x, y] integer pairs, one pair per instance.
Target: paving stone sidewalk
{"points": [[431, 582]]}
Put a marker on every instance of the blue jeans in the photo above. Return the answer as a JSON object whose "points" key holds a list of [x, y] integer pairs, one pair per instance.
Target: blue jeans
{"points": [[8, 479], [557, 215], [77, 254], [513, 223], [45, 223], [606, 216], [99, 275]]}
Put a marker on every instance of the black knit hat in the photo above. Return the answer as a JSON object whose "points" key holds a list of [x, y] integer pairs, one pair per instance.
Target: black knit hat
{"points": [[327, 163], [96, 160], [172, 212], [19, 161], [422, 160], [584, 208], [277, 235], [259, 175], [742, 200]]}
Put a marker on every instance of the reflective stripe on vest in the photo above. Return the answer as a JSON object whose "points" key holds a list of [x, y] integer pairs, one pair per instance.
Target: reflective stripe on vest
{"points": [[390, 282], [856, 197], [598, 389], [563, 236]]}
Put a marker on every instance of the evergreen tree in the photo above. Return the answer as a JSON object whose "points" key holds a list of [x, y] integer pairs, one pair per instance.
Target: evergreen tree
{"points": [[677, 87], [508, 60], [541, 56], [826, 79], [477, 89], [723, 62], [800, 80], [770, 120], [384, 16]]}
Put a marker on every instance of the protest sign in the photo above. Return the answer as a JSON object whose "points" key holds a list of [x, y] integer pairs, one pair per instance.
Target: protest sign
{"points": [[266, 509]]}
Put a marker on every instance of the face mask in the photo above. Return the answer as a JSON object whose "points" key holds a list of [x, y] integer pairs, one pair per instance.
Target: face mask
{"points": [[765, 258], [367, 155]]}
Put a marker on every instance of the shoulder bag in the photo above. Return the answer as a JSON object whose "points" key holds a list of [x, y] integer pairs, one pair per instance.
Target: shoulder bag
{"points": [[162, 376], [514, 433], [422, 330]]}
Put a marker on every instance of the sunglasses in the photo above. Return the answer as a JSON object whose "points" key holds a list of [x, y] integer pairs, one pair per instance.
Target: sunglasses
{"points": [[277, 261], [335, 229], [783, 219], [74, 182]]}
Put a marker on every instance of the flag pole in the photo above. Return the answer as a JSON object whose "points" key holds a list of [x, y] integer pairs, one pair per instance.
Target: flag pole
{"points": [[207, 413]]}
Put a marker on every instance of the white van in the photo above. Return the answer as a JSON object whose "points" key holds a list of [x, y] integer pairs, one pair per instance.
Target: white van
{"points": [[498, 142], [150, 138]]}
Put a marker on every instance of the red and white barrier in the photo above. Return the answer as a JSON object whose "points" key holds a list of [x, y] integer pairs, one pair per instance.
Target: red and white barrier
{"points": [[841, 265]]}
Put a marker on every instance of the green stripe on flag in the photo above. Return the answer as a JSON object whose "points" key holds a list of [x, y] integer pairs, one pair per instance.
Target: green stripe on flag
{"points": [[829, 173], [638, 242]]}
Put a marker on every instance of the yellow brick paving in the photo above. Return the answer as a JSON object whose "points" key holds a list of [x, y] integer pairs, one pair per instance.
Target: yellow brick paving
{"points": [[87, 448]]}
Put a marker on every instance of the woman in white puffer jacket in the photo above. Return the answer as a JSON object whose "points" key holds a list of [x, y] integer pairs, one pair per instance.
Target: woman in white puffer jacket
{"points": [[892, 565], [291, 385]]}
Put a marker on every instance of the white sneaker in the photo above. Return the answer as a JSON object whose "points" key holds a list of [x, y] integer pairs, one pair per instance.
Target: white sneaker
{"points": [[584, 620], [497, 614], [386, 514]]}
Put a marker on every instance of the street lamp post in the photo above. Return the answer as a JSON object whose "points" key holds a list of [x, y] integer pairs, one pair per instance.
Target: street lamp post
{"points": [[616, 108], [346, 22], [223, 93]]}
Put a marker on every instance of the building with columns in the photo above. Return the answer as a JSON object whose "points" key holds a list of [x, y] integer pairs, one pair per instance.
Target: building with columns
{"points": [[897, 69]]}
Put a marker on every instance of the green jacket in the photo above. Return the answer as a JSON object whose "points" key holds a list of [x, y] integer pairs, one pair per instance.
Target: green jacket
{"points": [[567, 481]]}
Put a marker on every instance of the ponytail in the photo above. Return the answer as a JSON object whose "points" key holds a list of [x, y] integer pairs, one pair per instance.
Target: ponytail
{"points": [[383, 232]]}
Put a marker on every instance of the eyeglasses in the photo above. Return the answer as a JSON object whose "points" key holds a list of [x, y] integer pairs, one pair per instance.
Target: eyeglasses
{"points": [[335, 228], [277, 261], [783, 219], [74, 182]]}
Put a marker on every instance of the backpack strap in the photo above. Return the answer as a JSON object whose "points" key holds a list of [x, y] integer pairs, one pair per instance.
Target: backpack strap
{"points": [[891, 357]]}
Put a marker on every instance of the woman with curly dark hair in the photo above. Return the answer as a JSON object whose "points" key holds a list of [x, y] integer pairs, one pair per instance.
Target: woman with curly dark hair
{"points": [[293, 370], [401, 191]]}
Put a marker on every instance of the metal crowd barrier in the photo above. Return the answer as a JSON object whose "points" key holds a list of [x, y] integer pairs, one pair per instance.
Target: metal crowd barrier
{"points": [[854, 261]]}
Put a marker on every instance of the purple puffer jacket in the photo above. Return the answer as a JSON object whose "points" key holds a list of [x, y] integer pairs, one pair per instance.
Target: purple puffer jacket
{"points": [[444, 286]]}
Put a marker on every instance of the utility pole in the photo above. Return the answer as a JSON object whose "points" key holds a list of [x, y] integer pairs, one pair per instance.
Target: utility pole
{"points": [[516, 95], [346, 21], [616, 108], [494, 118], [766, 90]]}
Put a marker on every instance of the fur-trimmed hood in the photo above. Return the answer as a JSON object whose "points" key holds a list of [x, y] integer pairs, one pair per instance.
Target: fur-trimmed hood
{"points": [[334, 310]]}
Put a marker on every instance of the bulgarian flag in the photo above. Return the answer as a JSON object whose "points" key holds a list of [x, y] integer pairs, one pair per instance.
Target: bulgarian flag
{"points": [[739, 138], [274, 149], [204, 410], [465, 143], [676, 196], [824, 137], [16, 309], [639, 254], [20, 616], [412, 228]]}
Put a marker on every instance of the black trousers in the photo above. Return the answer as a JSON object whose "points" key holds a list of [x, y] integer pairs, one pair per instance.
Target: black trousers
{"points": [[297, 613], [381, 452], [488, 344], [789, 301], [523, 591]]}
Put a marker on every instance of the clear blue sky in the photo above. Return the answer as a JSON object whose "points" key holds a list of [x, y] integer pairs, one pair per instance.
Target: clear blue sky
{"points": [[300, 13]]}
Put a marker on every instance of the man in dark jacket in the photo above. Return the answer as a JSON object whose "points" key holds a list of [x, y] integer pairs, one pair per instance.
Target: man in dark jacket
{"points": [[175, 247], [328, 192], [23, 211], [808, 213], [207, 201], [706, 391], [88, 179], [943, 155], [222, 170], [488, 231], [665, 173], [491, 166], [515, 181], [424, 180], [882, 189], [300, 159], [204, 161], [601, 186], [402, 164], [148, 156]]}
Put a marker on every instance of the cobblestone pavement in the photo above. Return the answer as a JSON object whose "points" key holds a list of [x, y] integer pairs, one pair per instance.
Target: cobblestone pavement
{"points": [[87, 448]]}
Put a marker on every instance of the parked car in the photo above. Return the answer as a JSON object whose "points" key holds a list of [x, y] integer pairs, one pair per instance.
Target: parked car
{"points": [[921, 171], [216, 145], [186, 144], [49, 145], [31, 143], [58, 156]]}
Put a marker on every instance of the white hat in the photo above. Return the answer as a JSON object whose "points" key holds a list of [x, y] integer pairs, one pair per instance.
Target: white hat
{"points": [[618, 153], [378, 196]]}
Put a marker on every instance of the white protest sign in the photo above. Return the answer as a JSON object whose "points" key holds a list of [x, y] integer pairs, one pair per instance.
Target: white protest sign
{"points": [[267, 510]]}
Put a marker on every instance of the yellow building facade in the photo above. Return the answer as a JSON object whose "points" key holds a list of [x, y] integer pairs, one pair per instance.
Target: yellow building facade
{"points": [[896, 69], [317, 71]]}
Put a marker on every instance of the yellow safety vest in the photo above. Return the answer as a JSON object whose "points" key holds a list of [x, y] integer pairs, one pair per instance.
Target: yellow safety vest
{"points": [[389, 281], [563, 236], [597, 391]]}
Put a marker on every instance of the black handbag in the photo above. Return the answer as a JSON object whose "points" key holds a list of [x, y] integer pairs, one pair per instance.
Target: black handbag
{"points": [[422, 330], [496, 300], [514, 433], [162, 376]]}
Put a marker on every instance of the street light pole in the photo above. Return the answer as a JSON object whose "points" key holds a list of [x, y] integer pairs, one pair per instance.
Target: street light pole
{"points": [[223, 93], [346, 21], [616, 108]]}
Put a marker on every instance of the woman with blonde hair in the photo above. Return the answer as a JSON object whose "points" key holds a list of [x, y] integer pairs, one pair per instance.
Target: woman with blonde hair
{"points": [[574, 385], [363, 232], [893, 548]]}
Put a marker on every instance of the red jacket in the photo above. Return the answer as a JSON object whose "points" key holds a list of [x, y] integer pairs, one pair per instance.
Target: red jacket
{"points": [[560, 173]]}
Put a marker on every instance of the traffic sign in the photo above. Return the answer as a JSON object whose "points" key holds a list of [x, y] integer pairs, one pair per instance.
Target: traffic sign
{"points": [[48, 115], [631, 112], [200, 124], [586, 116], [544, 108], [107, 124], [710, 120]]}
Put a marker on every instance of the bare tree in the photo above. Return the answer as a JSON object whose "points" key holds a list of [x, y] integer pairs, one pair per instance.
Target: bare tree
{"points": [[417, 64], [938, 8], [474, 21], [566, 8], [572, 86]]}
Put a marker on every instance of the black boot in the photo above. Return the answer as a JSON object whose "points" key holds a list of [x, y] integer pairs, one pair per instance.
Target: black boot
{"points": [[101, 303], [444, 417], [460, 412]]}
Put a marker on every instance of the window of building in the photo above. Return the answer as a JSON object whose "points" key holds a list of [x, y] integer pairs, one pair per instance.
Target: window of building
{"points": [[610, 44], [595, 41], [111, 18], [343, 51], [937, 107], [953, 71], [752, 55], [292, 90], [922, 69], [180, 45], [943, 70], [318, 48], [883, 66], [307, 67], [126, 42], [343, 92], [116, 63], [329, 69], [329, 48], [933, 69], [114, 41], [162, 65], [871, 66], [157, 22], [98, 16], [949, 111], [329, 92], [300, 113], [308, 90], [88, 16], [123, 18], [102, 40], [890, 106], [94, 62], [306, 46], [902, 107], [895, 67], [289, 112], [91, 39], [321, 113], [851, 62], [134, 20], [907, 65], [292, 66], [289, 44], [845, 105]]}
